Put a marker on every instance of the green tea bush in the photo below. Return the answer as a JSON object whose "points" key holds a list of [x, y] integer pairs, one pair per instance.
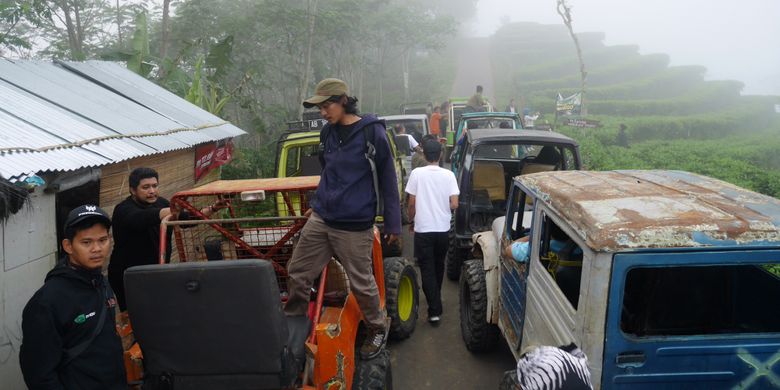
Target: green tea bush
{"points": [[673, 81], [628, 70]]}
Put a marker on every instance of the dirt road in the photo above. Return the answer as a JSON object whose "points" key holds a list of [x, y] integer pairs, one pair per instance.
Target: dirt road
{"points": [[436, 358]]}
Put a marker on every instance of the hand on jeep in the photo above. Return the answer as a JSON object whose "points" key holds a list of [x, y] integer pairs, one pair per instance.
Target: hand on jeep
{"points": [[391, 238]]}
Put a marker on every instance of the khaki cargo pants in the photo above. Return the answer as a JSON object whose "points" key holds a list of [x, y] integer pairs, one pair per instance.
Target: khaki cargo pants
{"points": [[317, 244]]}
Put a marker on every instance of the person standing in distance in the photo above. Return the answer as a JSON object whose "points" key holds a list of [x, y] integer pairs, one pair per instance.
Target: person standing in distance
{"points": [[476, 102], [137, 228], [435, 121], [69, 338], [433, 194], [349, 197]]}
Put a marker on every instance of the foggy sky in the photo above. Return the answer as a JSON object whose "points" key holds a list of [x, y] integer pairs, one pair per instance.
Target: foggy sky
{"points": [[734, 39]]}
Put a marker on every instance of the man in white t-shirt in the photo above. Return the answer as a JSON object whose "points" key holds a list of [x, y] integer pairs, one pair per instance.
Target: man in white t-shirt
{"points": [[433, 194]]}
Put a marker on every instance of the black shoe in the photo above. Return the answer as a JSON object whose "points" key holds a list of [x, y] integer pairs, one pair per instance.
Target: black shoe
{"points": [[374, 343]]}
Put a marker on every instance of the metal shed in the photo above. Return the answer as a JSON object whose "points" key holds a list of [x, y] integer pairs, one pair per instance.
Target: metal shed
{"points": [[81, 126]]}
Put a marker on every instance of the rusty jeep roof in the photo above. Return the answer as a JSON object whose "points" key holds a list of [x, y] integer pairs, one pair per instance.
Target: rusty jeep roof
{"points": [[617, 210]]}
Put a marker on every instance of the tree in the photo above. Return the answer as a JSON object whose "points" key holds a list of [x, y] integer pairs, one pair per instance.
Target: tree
{"points": [[311, 13], [14, 13], [564, 10], [165, 33]]}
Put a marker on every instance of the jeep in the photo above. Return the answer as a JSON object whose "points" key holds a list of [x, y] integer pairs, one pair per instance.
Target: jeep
{"points": [[488, 159], [665, 279]]}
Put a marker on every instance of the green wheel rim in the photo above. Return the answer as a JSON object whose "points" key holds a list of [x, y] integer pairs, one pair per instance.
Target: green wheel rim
{"points": [[405, 298]]}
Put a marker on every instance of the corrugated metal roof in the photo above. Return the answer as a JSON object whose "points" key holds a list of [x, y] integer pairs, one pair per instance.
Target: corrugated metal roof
{"points": [[657, 209], [66, 116]]}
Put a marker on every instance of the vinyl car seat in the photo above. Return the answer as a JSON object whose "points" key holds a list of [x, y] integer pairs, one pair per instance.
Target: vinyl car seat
{"points": [[214, 325]]}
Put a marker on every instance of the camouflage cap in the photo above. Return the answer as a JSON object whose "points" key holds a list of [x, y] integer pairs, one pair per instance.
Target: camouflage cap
{"points": [[324, 90]]}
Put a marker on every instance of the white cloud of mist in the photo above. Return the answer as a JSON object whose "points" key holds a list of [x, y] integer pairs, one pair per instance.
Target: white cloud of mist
{"points": [[737, 40]]}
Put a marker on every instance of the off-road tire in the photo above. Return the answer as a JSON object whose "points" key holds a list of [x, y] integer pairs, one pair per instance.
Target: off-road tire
{"points": [[477, 333], [405, 211], [393, 250], [454, 255], [373, 374], [401, 277], [509, 381]]}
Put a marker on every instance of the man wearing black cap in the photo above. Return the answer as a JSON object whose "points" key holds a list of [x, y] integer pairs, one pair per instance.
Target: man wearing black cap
{"points": [[69, 335], [433, 194]]}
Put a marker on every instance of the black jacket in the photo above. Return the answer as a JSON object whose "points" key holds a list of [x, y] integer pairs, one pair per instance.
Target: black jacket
{"points": [[137, 234], [62, 314]]}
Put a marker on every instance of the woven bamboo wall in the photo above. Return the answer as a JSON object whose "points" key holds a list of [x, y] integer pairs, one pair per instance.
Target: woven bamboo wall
{"points": [[176, 170]]}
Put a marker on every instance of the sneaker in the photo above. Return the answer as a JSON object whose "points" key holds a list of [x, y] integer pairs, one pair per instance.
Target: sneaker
{"points": [[434, 319], [374, 343]]}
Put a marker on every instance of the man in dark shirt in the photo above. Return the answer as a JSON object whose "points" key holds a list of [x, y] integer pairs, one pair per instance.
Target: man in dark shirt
{"points": [[137, 228], [476, 101], [69, 338]]}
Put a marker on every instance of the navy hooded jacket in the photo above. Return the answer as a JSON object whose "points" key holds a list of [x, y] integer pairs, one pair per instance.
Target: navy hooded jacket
{"points": [[346, 190]]}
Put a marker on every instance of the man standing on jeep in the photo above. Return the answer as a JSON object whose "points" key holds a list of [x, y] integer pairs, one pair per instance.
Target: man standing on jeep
{"points": [[476, 102], [358, 182]]}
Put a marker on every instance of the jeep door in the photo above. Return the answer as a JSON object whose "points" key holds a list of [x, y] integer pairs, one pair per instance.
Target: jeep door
{"points": [[694, 320], [513, 274]]}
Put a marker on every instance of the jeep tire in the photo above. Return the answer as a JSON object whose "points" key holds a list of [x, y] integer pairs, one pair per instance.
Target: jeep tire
{"points": [[402, 298], [509, 381], [373, 374], [478, 334], [455, 256]]}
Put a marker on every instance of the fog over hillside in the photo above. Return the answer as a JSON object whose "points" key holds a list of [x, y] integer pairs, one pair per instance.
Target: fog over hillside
{"points": [[734, 40]]}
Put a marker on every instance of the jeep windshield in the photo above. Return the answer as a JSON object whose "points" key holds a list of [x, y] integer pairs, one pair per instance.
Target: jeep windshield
{"points": [[414, 127], [495, 164], [492, 123], [521, 156]]}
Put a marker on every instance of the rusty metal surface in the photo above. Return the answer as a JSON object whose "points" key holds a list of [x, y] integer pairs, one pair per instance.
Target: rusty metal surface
{"points": [[236, 186], [618, 210]]}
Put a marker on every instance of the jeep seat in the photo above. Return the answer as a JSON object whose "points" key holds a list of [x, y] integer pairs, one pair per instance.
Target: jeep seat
{"points": [[489, 175], [210, 325]]}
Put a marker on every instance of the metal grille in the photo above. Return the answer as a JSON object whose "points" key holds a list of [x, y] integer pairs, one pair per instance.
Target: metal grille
{"points": [[247, 229]]}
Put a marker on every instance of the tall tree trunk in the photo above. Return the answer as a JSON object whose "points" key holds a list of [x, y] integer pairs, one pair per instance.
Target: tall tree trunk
{"points": [[405, 58], [311, 9], [565, 11], [119, 23], [70, 27], [359, 72], [166, 19], [79, 30], [381, 77]]}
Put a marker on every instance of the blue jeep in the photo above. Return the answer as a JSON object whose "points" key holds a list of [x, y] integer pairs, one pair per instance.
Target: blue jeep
{"points": [[665, 279]]}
